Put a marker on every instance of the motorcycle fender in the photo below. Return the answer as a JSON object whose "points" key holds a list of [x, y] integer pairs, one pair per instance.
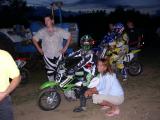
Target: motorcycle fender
{"points": [[48, 84], [128, 57], [135, 51]]}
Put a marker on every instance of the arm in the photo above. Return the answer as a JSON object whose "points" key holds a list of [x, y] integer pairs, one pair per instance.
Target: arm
{"points": [[140, 39], [35, 42], [75, 54], [125, 38], [66, 45], [90, 92], [14, 83]]}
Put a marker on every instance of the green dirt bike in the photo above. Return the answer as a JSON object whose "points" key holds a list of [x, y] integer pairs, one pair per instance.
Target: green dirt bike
{"points": [[69, 85]]}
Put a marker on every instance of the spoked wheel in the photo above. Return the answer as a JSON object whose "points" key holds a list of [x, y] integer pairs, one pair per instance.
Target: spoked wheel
{"points": [[134, 68], [24, 76], [49, 99]]}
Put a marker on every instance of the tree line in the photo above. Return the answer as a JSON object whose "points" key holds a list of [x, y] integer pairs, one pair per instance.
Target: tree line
{"points": [[93, 22]]}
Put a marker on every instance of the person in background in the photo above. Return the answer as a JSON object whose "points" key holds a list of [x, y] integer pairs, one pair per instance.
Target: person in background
{"points": [[104, 41], [108, 92], [52, 45], [117, 47], [8, 70], [134, 34], [120, 48], [110, 28]]}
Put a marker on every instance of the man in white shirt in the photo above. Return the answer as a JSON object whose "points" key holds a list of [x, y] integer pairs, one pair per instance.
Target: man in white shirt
{"points": [[52, 44]]}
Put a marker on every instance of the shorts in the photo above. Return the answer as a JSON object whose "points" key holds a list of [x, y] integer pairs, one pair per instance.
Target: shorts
{"points": [[116, 100]]}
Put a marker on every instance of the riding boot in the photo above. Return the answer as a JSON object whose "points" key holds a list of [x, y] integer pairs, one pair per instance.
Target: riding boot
{"points": [[82, 106], [82, 99], [124, 74]]}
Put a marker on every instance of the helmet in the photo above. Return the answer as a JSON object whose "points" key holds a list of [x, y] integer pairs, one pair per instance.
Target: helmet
{"points": [[86, 42], [109, 39], [118, 28]]}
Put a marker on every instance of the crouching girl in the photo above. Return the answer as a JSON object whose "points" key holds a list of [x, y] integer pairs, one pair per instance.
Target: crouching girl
{"points": [[108, 92]]}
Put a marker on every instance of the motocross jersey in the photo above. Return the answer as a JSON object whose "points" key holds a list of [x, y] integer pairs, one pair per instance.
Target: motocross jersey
{"points": [[117, 50], [120, 47], [122, 44], [86, 57], [104, 41]]}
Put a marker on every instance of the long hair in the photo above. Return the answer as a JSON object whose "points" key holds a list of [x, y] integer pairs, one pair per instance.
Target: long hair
{"points": [[106, 62]]}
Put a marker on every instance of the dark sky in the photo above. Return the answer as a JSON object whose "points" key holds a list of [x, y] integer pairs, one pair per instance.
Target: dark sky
{"points": [[146, 6]]}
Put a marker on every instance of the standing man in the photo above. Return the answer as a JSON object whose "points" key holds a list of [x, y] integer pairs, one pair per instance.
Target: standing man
{"points": [[52, 45], [135, 35], [8, 69]]}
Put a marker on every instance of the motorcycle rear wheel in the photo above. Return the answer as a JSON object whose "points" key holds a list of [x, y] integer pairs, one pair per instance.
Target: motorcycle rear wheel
{"points": [[134, 68], [49, 99]]}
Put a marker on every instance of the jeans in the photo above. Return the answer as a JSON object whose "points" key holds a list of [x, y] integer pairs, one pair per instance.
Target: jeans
{"points": [[6, 112]]}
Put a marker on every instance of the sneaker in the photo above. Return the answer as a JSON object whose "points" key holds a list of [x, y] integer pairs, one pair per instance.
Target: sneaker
{"points": [[79, 109]]}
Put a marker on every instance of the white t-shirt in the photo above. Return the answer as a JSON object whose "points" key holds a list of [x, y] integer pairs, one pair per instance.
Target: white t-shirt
{"points": [[109, 85], [52, 42]]}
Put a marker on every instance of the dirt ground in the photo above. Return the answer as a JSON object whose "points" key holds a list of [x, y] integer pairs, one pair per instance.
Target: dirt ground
{"points": [[142, 98]]}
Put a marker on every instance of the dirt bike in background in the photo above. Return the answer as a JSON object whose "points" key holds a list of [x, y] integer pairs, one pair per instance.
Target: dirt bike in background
{"points": [[132, 64], [69, 85], [130, 61], [24, 72]]}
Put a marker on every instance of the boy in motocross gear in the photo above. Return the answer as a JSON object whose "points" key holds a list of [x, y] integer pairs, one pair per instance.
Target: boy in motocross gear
{"points": [[85, 52], [118, 48], [86, 55]]}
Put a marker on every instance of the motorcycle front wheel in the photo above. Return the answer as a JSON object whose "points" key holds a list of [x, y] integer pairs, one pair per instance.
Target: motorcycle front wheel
{"points": [[134, 68], [49, 99]]}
